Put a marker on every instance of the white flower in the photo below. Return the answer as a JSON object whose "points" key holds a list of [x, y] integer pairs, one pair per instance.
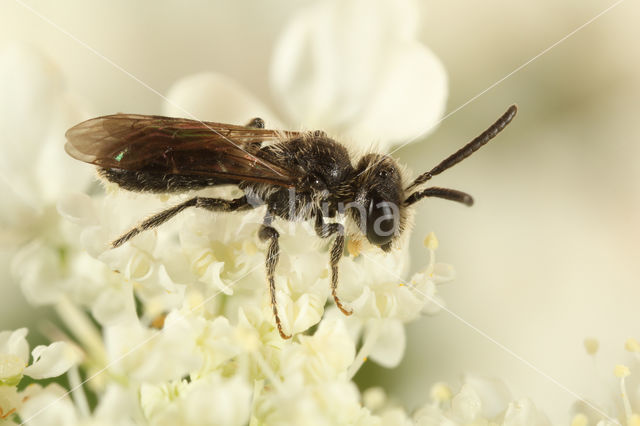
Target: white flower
{"points": [[144, 354], [48, 406], [386, 302], [207, 401], [328, 403], [35, 111], [48, 361], [352, 68], [479, 402], [325, 356]]}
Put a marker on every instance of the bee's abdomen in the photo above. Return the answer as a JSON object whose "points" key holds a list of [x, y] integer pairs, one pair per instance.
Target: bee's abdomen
{"points": [[144, 181]]}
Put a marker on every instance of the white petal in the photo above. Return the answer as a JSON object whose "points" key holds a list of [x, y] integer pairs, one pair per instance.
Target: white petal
{"points": [[154, 356], [524, 413], [390, 345], [11, 368], [365, 305], [57, 173], [212, 276], [232, 402], [215, 97], [493, 393], [409, 100], [52, 360], [50, 406], [113, 306], [218, 342], [309, 310], [38, 267], [466, 405], [29, 88], [321, 357], [116, 406], [14, 343], [341, 66], [78, 208], [443, 273], [34, 115]]}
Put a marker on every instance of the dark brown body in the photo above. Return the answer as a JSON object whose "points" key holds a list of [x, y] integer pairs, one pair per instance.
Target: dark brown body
{"points": [[321, 166]]}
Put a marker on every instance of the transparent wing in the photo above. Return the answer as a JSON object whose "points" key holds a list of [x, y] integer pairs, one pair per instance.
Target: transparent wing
{"points": [[179, 146]]}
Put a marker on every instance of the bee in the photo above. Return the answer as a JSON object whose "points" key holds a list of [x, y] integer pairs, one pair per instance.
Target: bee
{"points": [[298, 176]]}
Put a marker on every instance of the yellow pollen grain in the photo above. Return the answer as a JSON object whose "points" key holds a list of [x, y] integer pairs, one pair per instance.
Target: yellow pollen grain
{"points": [[431, 242], [591, 345], [354, 247], [621, 371], [158, 322], [365, 359], [441, 392], [579, 420], [632, 345]]}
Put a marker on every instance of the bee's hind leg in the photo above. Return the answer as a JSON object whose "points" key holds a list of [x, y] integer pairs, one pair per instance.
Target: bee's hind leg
{"points": [[214, 204], [325, 230], [268, 232]]}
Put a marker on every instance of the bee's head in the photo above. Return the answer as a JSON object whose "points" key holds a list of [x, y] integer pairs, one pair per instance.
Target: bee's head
{"points": [[379, 198]]}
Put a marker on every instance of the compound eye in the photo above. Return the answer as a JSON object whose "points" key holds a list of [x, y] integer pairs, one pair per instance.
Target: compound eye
{"points": [[382, 222]]}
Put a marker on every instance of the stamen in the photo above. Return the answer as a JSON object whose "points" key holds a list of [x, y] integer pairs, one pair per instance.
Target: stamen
{"points": [[370, 339], [622, 371]]}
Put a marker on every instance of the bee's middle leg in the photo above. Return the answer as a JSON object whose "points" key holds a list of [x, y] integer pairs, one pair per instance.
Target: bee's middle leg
{"points": [[268, 232], [325, 230]]}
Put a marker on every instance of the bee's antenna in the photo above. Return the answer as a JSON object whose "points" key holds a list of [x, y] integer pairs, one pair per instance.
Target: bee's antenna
{"points": [[446, 193], [468, 149]]}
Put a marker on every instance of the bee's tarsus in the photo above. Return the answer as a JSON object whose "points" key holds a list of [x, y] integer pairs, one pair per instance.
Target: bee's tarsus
{"points": [[269, 233]]}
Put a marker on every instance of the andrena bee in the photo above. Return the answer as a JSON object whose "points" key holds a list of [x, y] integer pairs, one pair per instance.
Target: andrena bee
{"points": [[298, 176]]}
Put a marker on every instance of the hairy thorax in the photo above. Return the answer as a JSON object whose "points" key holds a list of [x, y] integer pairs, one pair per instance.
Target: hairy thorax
{"points": [[324, 178]]}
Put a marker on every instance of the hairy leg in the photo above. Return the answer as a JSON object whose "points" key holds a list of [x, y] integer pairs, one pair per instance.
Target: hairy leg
{"points": [[213, 204], [325, 230], [269, 233]]}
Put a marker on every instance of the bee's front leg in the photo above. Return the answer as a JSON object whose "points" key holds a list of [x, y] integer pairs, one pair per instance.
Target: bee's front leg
{"points": [[325, 230], [268, 232]]}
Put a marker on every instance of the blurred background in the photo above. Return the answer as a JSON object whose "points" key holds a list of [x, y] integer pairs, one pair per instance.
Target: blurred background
{"points": [[548, 255]]}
